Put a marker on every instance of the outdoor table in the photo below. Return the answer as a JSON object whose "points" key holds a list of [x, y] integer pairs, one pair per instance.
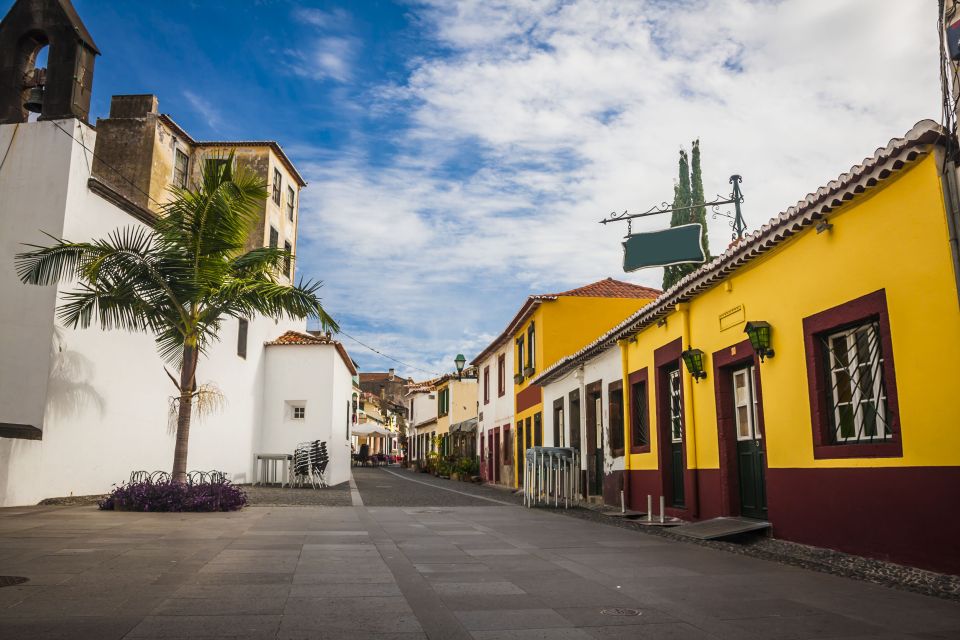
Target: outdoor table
{"points": [[265, 468]]}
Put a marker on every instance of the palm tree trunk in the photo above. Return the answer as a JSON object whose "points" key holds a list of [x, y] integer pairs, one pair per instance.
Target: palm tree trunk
{"points": [[187, 371]]}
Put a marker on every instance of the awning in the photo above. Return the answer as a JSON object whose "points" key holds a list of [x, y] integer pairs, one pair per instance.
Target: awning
{"points": [[465, 426], [369, 429]]}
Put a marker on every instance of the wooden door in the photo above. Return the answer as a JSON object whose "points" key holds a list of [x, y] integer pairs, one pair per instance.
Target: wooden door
{"points": [[750, 450]]}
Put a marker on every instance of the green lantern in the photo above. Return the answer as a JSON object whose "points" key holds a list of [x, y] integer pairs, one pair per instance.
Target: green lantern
{"points": [[460, 361], [693, 359], [759, 333]]}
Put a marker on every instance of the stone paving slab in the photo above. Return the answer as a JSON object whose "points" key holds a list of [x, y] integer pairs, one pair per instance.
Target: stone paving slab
{"points": [[431, 566]]}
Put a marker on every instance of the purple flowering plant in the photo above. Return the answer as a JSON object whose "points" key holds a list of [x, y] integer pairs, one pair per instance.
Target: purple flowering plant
{"points": [[165, 495]]}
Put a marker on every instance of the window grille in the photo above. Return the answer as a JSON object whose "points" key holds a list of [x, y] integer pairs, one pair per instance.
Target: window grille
{"points": [[288, 260], [290, 197], [856, 391], [676, 408], [299, 413]]}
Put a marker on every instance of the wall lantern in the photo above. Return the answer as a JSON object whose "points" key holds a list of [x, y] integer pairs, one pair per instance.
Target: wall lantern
{"points": [[459, 361], [759, 333], [693, 358]]}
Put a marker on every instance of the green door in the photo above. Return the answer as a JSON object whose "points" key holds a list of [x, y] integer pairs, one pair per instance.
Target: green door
{"points": [[676, 440], [750, 453]]}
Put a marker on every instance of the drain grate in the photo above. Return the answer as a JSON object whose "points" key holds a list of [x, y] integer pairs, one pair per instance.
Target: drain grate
{"points": [[619, 611], [9, 581]]}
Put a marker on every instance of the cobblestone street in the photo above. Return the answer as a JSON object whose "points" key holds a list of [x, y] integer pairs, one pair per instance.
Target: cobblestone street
{"points": [[421, 558]]}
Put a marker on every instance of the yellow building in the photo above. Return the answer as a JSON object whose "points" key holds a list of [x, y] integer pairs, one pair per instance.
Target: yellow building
{"points": [[456, 404], [841, 431], [549, 327]]}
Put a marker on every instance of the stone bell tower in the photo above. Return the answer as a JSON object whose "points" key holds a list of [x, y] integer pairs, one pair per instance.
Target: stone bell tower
{"points": [[62, 90]]}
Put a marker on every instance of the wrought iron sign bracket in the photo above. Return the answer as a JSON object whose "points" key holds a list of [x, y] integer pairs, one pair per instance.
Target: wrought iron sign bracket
{"points": [[737, 223]]}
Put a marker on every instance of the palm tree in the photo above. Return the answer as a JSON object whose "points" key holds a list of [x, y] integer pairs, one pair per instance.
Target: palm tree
{"points": [[178, 280]]}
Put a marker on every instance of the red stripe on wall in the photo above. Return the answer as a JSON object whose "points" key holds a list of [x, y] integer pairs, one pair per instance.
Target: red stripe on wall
{"points": [[908, 515]]}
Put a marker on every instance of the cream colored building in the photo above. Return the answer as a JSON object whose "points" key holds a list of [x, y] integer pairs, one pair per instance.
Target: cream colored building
{"points": [[141, 154]]}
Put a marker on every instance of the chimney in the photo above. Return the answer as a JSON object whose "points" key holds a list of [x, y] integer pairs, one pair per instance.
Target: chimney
{"points": [[391, 373]]}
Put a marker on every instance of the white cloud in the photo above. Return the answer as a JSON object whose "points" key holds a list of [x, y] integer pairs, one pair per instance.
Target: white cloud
{"points": [[563, 112], [204, 108]]}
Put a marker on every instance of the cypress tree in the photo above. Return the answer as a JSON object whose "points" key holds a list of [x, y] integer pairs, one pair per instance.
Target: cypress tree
{"points": [[698, 214], [681, 198]]}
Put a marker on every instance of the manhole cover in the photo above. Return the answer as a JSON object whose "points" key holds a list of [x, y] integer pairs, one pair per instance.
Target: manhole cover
{"points": [[9, 581], [620, 612]]}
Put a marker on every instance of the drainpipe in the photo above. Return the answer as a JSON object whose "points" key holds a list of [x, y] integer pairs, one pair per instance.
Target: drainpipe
{"points": [[690, 422], [627, 422]]}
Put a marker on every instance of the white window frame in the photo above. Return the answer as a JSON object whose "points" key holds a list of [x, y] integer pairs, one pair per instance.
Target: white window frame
{"points": [[674, 384], [749, 401]]}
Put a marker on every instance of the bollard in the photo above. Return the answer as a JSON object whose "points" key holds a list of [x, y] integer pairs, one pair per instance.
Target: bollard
{"points": [[649, 508], [623, 507], [661, 509]]}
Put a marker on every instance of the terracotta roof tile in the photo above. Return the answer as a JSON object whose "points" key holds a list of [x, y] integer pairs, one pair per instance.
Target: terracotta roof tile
{"points": [[610, 288], [300, 338], [296, 337]]}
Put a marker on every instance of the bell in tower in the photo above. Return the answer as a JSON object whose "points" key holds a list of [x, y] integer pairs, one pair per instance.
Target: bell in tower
{"points": [[62, 90]]}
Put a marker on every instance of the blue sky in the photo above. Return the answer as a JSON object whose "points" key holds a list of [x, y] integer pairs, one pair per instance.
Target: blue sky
{"points": [[460, 154]]}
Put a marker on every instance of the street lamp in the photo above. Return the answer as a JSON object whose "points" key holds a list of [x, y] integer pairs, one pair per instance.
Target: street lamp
{"points": [[693, 358], [759, 333], [460, 361]]}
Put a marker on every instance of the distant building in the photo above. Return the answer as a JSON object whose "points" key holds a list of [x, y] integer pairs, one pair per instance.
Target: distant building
{"points": [[141, 153]]}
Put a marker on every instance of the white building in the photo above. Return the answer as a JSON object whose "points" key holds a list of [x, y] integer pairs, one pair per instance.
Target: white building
{"points": [[495, 400], [308, 383], [421, 400], [578, 403], [81, 409]]}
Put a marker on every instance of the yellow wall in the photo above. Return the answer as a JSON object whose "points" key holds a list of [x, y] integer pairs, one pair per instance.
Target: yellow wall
{"points": [[895, 239], [564, 326]]}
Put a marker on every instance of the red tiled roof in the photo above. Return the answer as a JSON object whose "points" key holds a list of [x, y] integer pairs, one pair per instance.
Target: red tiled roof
{"points": [[608, 288], [611, 288], [300, 338]]}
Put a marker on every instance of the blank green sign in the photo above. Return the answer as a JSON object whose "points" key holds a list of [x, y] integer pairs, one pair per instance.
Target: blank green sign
{"points": [[676, 245]]}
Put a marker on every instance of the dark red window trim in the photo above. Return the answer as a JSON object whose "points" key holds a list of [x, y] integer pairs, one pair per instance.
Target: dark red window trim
{"points": [[614, 399], [665, 359], [725, 361], [486, 384], [871, 306], [502, 375], [639, 377]]}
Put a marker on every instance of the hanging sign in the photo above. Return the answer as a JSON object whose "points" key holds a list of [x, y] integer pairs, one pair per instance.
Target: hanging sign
{"points": [[676, 245]]}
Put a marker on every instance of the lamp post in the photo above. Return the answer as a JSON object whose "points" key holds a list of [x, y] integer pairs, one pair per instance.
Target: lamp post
{"points": [[460, 361]]}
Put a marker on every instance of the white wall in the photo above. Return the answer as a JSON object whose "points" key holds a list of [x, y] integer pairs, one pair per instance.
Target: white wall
{"points": [[499, 411], [316, 377], [101, 398], [605, 367]]}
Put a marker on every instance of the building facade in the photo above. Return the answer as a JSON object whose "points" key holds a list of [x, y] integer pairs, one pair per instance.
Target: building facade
{"points": [[549, 327], [838, 422], [495, 399], [82, 408]]}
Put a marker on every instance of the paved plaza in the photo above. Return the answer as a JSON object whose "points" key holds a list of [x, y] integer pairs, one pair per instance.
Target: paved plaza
{"points": [[438, 564]]}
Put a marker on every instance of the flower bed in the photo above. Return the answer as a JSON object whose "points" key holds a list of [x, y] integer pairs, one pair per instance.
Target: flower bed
{"points": [[145, 495]]}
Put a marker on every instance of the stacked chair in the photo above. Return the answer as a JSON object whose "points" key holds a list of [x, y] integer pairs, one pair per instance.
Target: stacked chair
{"points": [[310, 462]]}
